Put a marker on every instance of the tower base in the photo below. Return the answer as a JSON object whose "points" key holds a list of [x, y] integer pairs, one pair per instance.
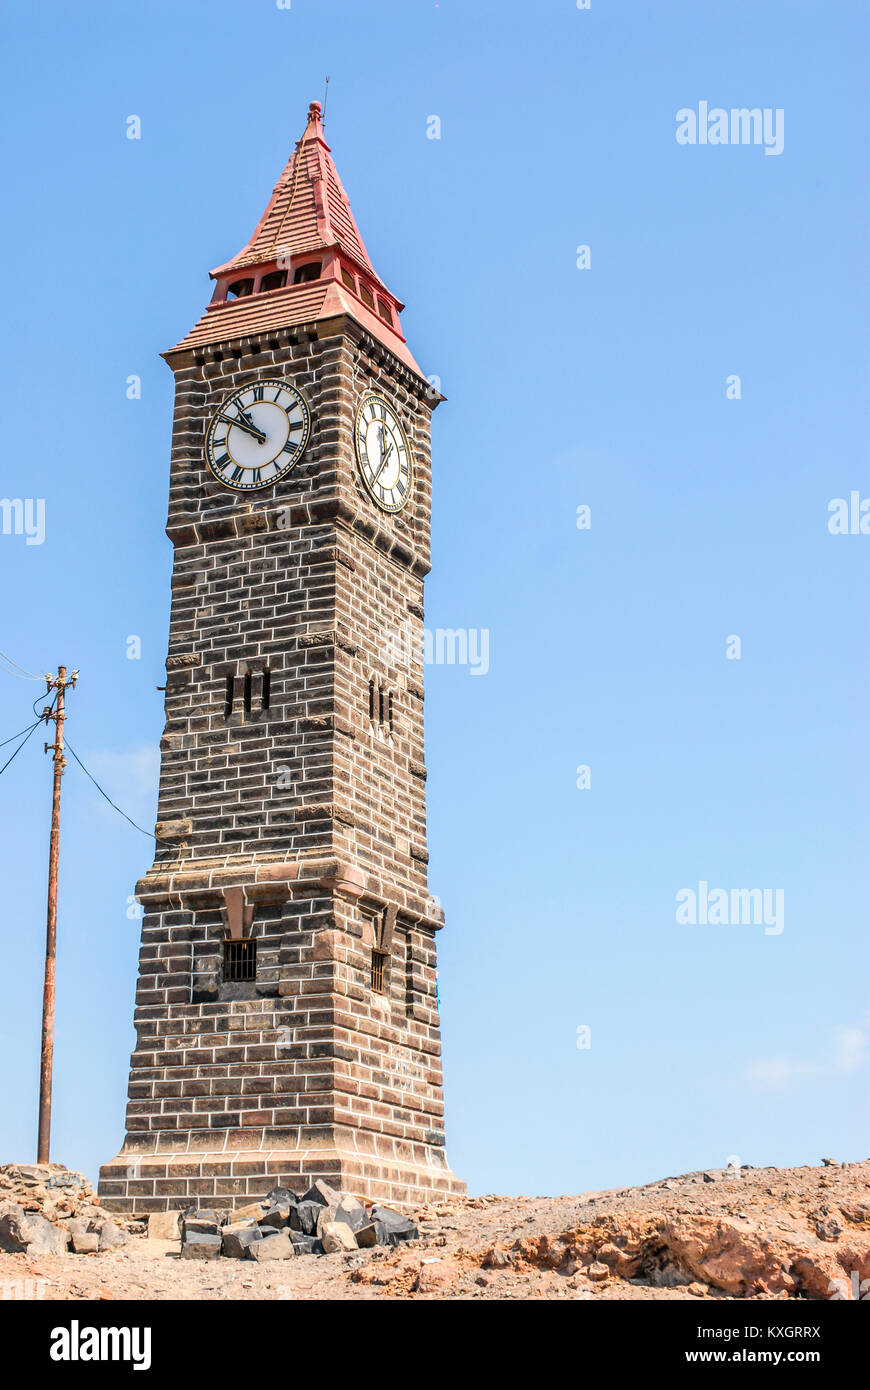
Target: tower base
{"points": [[239, 1171]]}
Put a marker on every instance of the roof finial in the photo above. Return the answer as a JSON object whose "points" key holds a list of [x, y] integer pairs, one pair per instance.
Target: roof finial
{"points": [[314, 111]]}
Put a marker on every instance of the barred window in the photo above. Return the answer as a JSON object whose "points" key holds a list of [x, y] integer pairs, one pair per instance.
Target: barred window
{"points": [[240, 960], [379, 971]]}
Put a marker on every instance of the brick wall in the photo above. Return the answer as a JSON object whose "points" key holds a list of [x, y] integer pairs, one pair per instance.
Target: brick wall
{"points": [[300, 825]]}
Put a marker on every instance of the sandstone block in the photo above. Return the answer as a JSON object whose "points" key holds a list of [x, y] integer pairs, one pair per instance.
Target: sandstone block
{"points": [[201, 1247], [322, 1193], [395, 1226], [238, 1239], [337, 1236], [164, 1225], [85, 1243], [27, 1231], [278, 1247]]}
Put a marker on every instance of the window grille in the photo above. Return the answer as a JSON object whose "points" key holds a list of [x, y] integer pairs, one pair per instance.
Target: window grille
{"points": [[379, 964], [240, 960]]}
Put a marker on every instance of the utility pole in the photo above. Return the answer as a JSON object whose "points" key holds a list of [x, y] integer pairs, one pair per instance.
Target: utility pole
{"points": [[58, 683]]}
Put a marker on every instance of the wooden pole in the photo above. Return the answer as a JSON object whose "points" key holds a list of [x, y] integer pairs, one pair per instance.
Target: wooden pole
{"points": [[58, 683]]}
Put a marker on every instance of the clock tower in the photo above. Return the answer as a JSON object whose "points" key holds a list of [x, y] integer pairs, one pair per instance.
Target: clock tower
{"points": [[286, 1010]]}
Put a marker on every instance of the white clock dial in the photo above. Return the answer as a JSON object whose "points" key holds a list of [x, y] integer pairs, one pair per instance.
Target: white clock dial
{"points": [[257, 435], [383, 453]]}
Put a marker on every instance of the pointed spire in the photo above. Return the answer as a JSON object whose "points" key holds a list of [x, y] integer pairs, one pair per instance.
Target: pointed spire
{"points": [[308, 209], [306, 260]]}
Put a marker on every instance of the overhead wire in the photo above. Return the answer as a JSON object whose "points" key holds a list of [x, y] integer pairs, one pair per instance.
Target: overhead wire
{"points": [[28, 732], [25, 676], [68, 746], [29, 728], [14, 755]]}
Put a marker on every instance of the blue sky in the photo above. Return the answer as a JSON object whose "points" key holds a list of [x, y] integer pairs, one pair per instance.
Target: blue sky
{"points": [[603, 387]]}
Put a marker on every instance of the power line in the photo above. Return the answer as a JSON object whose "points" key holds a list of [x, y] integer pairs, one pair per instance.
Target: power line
{"points": [[149, 833], [29, 731], [14, 755], [15, 674], [45, 707], [20, 732], [26, 676]]}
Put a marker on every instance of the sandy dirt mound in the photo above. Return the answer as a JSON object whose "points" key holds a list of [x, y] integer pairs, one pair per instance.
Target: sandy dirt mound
{"points": [[749, 1233]]}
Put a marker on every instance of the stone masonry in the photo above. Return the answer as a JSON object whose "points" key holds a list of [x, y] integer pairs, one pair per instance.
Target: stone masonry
{"points": [[291, 807]]}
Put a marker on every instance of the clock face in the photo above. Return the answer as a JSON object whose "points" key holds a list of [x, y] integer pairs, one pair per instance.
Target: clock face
{"points": [[383, 454], [257, 435]]}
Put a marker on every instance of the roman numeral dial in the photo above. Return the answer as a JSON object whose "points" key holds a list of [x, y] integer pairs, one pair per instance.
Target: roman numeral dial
{"points": [[257, 435], [383, 454]]}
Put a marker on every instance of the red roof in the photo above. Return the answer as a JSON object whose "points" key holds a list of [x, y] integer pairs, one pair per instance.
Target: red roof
{"points": [[241, 318], [308, 213]]}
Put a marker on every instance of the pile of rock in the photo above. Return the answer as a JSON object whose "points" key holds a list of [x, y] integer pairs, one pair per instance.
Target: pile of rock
{"points": [[46, 1209], [319, 1223]]}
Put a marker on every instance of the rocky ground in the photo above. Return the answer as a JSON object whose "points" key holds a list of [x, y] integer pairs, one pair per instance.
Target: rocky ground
{"points": [[748, 1233]]}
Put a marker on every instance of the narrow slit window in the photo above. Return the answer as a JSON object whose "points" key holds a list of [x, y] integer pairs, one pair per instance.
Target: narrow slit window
{"points": [[390, 710], [379, 971], [240, 961], [229, 696], [380, 704], [372, 700], [248, 684], [266, 693]]}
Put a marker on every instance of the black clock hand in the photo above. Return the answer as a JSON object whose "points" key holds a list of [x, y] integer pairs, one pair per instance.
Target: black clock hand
{"points": [[246, 424], [384, 461], [246, 416]]}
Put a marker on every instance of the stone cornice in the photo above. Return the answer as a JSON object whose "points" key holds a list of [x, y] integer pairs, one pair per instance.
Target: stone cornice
{"points": [[203, 884]]}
